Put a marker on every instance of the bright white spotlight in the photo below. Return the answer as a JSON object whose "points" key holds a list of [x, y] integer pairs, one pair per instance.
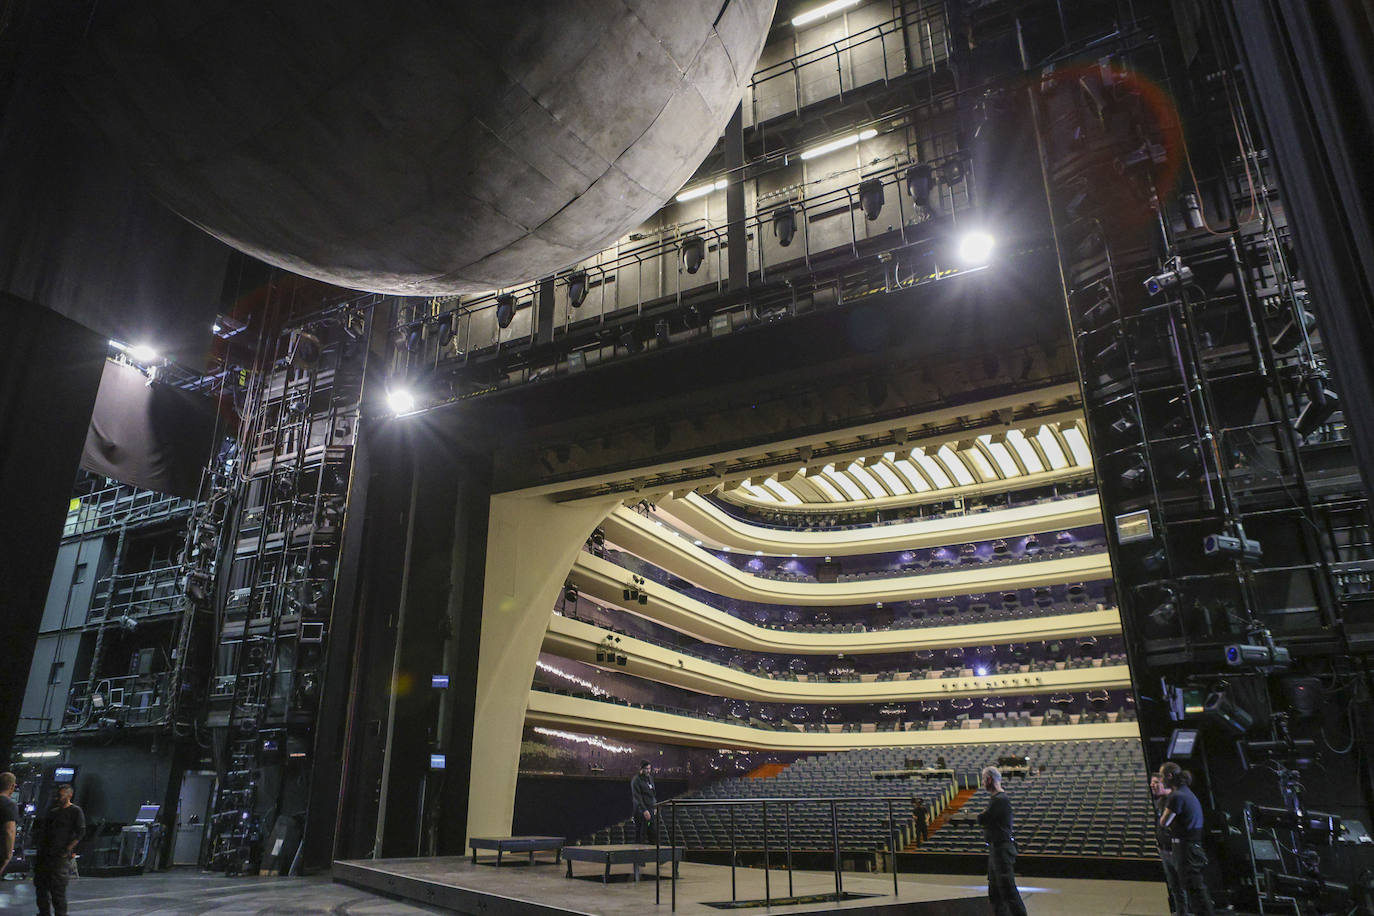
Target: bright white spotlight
{"points": [[142, 353], [976, 248], [400, 400]]}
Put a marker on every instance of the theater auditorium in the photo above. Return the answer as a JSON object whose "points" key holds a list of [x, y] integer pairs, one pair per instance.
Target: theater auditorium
{"points": [[891, 457]]}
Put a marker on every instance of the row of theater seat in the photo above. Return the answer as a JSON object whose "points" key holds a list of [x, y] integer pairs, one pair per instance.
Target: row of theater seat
{"points": [[1090, 799]]}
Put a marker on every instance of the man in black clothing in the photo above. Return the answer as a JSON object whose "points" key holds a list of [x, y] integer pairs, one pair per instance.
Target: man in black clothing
{"points": [[643, 798], [922, 815], [996, 824], [9, 820], [55, 837], [1159, 794], [1182, 816]]}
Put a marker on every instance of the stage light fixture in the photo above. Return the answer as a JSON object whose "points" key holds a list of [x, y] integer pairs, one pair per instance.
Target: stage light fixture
{"points": [[446, 332], [662, 333], [399, 400], [1166, 611], [571, 594], [871, 197], [784, 225], [631, 342], [1292, 333], [693, 253], [505, 310], [839, 144], [577, 288], [1124, 423], [1174, 274], [1135, 475], [1265, 656], [820, 12], [415, 338], [920, 181], [1233, 547], [1222, 711], [1100, 311], [975, 248], [1322, 402]]}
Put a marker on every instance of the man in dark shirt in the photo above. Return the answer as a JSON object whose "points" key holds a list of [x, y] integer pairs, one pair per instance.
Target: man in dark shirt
{"points": [[643, 798], [922, 815], [1182, 817], [9, 820], [1159, 794], [55, 837], [996, 824]]}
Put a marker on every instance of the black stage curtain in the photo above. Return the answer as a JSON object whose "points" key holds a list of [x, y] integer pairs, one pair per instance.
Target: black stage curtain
{"points": [[148, 435], [79, 233], [48, 381]]}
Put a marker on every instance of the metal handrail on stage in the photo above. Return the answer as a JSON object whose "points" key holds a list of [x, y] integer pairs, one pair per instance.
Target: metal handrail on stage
{"points": [[834, 802]]}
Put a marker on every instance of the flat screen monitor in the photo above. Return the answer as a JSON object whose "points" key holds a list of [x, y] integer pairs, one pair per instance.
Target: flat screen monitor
{"points": [[147, 814], [1182, 744], [437, 761], [64, 775]]}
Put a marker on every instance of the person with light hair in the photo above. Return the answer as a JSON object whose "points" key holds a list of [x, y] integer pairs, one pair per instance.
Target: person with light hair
{"points": [[996, 823]]}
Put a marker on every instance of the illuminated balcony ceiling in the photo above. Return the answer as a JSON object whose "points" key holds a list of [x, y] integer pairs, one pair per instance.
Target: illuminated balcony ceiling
{"points": [[1014, 455]]}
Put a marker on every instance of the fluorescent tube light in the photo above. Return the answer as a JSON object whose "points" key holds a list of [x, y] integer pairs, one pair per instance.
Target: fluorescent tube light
{"points": [[841, 143], [820, 12], [701, 190]]}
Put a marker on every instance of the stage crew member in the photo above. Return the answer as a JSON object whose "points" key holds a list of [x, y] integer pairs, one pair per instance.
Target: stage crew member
{"points": [[644, 798], [996, 824], [56, 836], [1182, 817]]}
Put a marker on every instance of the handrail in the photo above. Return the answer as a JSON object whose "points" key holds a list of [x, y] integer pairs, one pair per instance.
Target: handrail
{"points": [[787, 802]]}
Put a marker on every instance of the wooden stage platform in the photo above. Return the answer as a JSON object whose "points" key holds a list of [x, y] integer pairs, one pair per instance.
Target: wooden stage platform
{"points": [[520, 889]]}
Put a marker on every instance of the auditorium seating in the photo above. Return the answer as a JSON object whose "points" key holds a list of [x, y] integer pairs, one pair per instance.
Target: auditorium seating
{"points": [[1090, 800]]}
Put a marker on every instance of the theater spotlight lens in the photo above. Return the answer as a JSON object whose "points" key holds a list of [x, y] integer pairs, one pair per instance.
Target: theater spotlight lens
{"points": [[975, 248], [400, 400], [142, 353]]}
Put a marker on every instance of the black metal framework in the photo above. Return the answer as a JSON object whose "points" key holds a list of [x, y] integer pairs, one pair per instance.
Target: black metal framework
{"points": [[786, 803], [285, 503]]}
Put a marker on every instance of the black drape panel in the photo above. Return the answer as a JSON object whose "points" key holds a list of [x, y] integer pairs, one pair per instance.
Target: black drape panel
{"points": [[79, 233], [48, 381], [152, 436], [1310, 64]]}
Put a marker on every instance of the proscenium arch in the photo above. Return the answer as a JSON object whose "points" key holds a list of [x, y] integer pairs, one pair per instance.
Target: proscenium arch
{"points": [[535, 537]]}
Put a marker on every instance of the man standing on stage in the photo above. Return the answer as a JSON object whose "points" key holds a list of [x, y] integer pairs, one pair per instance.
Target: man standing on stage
{"points": [[1159, 794], [644, 798], [56, 835], [1182, 817], [996, 824]]}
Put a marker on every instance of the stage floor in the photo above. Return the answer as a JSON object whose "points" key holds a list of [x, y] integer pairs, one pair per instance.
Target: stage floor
{"points": [[543, 890]]}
